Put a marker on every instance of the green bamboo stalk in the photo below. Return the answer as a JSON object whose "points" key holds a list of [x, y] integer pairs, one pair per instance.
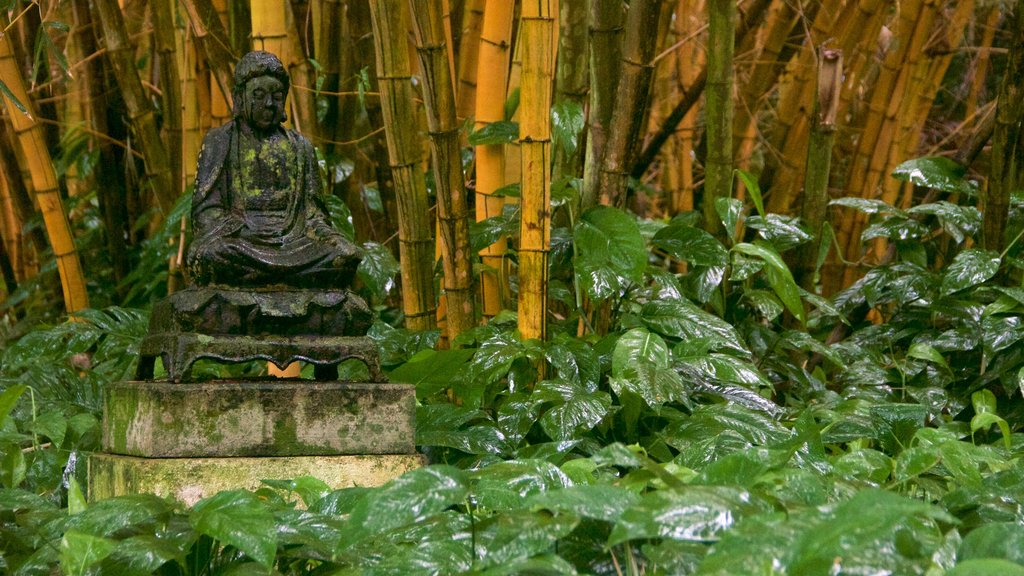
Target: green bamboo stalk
{"points": [[572, 79], [819, 162], [719, 109], [605, 56], [1007, 173], [415, 241]]}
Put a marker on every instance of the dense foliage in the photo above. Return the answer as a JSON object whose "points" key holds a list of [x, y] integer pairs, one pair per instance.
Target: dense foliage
{"points": [[728, 423]]}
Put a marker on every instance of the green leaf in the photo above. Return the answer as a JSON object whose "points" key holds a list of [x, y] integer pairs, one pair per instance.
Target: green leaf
{"points": [[926, 352], [610, 252], [79, 551], [409, 498], [958, 221], [599, 502], [970, 268], [310, 489], [238, 518], [12, 466], [8, 398], [566, 124], [936, 172], [76, 500], [430, 371], [1003, 540], [779, 277], [782, 232], [377, 270], [729, 210], [698, 514], [504, 485], [682, 320], [14, 99], [750, 182], [867, 206], [987, 567], [640, 364], [506, 540], [502, 132], [52, 425], [691, 245], [576, 410]]}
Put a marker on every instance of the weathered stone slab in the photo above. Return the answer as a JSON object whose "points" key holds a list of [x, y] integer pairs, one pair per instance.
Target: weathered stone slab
{"points": [[191, 479], [258, 418]]}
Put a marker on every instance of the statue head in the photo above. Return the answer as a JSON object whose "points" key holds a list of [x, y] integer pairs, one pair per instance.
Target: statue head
{"points": [[260, 87]]}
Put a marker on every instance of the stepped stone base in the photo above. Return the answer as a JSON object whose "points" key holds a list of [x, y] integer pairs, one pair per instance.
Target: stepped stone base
{"points": [[258, 418], [190, 479]]}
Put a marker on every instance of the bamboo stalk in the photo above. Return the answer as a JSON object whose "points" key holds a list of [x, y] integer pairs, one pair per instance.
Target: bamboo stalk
{"points": [[572, 74], [31, 139], [492, 75], [452, 209], [120, 55], [718, 105], [688, 65], [538, 41], [416, 245], [164, 26], [1007, 148], [819, 161], [606, 20], [469, 57], [631, 99]]}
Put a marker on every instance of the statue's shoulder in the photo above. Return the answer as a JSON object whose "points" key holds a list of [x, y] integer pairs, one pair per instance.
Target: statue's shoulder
{"points": [[212, 155], [299, 139]]}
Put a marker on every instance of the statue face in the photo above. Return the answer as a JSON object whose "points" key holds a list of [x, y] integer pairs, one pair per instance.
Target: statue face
{"points": [[264, 102]]}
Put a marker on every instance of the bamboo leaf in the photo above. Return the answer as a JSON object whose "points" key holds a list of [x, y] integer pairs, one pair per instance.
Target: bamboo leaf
{"points": [[14, 99], [750, 182]]}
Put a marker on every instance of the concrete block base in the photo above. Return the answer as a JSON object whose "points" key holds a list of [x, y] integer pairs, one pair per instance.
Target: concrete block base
{"points": [[190, 479]]}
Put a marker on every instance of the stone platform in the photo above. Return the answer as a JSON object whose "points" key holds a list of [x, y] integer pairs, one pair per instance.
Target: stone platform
{"points": [[190, 479], [159, 419]]}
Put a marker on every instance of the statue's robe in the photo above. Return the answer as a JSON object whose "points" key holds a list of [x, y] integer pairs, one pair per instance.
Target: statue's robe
{"points": [[258, 218]]}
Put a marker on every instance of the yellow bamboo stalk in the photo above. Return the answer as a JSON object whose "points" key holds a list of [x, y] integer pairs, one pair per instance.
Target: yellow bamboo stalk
{"points": [[691, 61], [452, 209], [32, 142], [469, 57], [538, 35], [416, 246], [11, 227], [492, 76]]}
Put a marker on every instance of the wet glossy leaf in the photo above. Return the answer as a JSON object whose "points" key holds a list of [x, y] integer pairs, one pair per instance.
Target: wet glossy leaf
{"points": [[698, 513], [729, 210], [599, 502], [80, 551], [779, 277], [502, 132], [52, 425], [566, 124], [958, 221], [504, 485], [866, 205], [984, 402], [924, 351], [610, 252], [378, 269], [970, 268], [106, 517], [728, 369], [8, 398], [310, 489], [76, 499], [479, 439], [691, 245], [681, 319], [430, 371], [407, 499], [936, 172], [575, 411], [518, 536], [999, 540], [866, 465], [898, 228], [12, 466], [753, 189], [640, 364], [239, 519], [782, 232], [987, 567], [488, 231], [915, 461]]}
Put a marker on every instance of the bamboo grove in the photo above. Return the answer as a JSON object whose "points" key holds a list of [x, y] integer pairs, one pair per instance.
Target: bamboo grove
{"points": [[436, 116]]}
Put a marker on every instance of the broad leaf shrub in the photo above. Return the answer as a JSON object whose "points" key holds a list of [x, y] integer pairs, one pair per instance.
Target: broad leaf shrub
{"points": [[725, 422]]}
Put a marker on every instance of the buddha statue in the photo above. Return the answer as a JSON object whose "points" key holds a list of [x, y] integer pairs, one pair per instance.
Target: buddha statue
{"points": [[257, 213]]}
